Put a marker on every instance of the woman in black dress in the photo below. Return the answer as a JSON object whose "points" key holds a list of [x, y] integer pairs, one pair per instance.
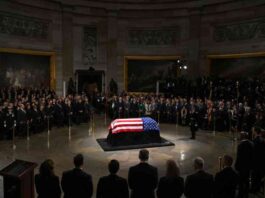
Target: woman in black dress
{"points": [[171, 185], [47, 183]]}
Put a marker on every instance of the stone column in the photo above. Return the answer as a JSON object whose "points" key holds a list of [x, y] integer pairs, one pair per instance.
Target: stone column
{"points": [[67, 40], [112, 69], [193, 50]]}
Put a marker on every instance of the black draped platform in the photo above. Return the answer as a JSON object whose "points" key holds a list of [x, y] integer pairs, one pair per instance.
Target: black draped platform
{"points": [[133, 138], [108, 147]]}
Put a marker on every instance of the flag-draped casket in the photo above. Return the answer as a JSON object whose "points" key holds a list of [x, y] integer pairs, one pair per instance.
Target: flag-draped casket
{"points": [[133, 131]]}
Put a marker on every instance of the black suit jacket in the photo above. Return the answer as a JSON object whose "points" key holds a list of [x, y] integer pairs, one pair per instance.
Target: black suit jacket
{"points": [[226, 182], [142, 180], [77, 184], [47, 186], [170, 187], [112, 186], [259, 155], [199, 185], [244, 158]]}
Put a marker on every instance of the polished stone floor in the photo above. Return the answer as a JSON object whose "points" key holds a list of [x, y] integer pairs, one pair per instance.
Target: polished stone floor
{"points": [[61, 147]]}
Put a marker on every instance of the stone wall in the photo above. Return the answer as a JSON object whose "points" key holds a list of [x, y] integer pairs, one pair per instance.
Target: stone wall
{"points": [[85, 34]]}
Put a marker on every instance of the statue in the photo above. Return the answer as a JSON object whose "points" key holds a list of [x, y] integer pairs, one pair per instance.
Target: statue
{"points": [[71, 87], [113, 87]]}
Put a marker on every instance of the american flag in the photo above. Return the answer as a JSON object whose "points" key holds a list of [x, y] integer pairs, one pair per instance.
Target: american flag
{"points": [[133, 125]]}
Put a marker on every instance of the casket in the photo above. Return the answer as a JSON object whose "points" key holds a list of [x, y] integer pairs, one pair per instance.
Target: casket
{"points": [[132, 131]]}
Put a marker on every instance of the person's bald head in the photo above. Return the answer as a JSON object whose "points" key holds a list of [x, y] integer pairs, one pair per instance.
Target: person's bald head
{"points": [[227, 161]]}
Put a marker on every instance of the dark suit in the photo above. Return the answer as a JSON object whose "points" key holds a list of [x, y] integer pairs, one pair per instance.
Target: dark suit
{"points": [[170, 187], [112, 186], [21, 121], [199, 185], [258, 163], [47, 186], [243, 165], [142, 180], [77, 184], [226, 182]]}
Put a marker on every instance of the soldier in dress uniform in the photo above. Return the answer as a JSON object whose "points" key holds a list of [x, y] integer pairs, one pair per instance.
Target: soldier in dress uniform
{"points": [[193, 124]]}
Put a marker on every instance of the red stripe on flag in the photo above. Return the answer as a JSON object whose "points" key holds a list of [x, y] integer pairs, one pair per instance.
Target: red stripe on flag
{"points": [[126, 125]]}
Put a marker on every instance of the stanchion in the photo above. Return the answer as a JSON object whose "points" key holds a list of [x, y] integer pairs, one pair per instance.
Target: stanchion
{"points": [[220, 163], [48, 124], [105, 117], [214, 125], [48, 133], [230, 125], [28, 131], [13, 135], [90, 123], [69, 128], [48, 141], [93, 125], [235, 133], [177, 121]]}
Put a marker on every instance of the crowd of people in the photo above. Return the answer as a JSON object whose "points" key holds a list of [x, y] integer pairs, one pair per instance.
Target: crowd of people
{"points": [[30, 111], [219, 111], [213, 104], [143, 179]]}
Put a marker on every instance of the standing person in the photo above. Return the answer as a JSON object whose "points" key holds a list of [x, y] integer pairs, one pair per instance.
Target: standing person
{"points": [[143, 177], [199, 184], [243, 164], [47, 183], [22, 120], [171, 185], [226, 180], [258, 160], [9, 123], [76, 183], [193, 125], [112, 185]]}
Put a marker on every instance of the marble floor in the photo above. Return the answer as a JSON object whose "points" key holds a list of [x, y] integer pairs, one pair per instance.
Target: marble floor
{"points": [[61, 147]]}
